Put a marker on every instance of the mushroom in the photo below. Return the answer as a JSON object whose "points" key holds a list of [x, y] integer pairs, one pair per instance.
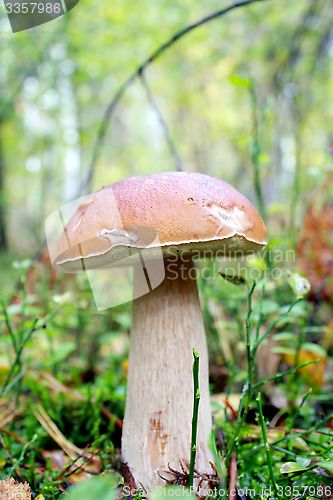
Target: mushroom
{"points": [[193, 215]]}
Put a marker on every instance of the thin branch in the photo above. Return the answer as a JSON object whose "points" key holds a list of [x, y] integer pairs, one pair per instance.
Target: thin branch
{"points": [[162, 122], [155, 55]]}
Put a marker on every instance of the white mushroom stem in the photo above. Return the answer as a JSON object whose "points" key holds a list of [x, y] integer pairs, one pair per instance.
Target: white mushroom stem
{"points": [[167, 325]]}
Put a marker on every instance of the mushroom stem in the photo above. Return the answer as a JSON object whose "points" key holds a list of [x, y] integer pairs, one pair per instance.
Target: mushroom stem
{"points": [[167, 324]]}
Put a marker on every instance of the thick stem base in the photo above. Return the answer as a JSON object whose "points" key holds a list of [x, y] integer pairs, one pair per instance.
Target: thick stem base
{"points": [[167, 324]]}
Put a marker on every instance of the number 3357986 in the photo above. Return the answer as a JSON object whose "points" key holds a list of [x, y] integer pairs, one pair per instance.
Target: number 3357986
{"points": [[40, 8]]}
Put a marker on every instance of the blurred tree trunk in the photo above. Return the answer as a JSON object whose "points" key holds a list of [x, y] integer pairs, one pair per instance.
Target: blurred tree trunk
{"points": [[3, 237]]}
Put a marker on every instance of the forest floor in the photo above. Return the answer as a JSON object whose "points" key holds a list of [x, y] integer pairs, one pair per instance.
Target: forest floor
{"points": [[63, 387]]}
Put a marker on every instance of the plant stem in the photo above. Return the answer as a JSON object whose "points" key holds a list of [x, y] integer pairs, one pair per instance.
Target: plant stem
{"points": [[273, 325], [19, 349], [17, 361], [9, 326], [235, 441], [293, 420], [261, 316], [248, 342], [294, 435], [195, 416], [23, 452], [247, 389], [267, 448], [282, 374]]}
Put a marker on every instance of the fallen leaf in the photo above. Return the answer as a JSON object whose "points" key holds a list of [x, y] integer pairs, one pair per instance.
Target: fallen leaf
{"points": [[314, 373], [315, 245], [290, 467]]}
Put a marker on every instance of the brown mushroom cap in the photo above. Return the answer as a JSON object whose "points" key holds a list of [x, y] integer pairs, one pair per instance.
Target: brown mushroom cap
{"points": [[187, 211]]}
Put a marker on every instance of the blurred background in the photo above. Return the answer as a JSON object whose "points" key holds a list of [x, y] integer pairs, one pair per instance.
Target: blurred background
{"points": [[247, 98]]}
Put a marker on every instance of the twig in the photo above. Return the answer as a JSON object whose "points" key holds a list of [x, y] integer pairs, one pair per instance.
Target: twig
{"points": [[66, 472], [282, 374], [13, 435], [162, 122], [195, 416], [155, 55]]}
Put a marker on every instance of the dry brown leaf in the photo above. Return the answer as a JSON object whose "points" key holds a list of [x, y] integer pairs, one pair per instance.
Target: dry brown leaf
{"points": [[74, 471], [327, 341], [56, 386], [315, 245], [69, 448], [314, 373], [71, 458]]}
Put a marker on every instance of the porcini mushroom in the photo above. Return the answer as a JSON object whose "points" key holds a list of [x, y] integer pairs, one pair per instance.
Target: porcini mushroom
{"points": [[191, 214]]}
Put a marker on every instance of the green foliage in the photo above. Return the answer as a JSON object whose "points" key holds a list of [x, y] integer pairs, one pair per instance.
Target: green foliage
{"points": [[265, 457], [98, 488]]}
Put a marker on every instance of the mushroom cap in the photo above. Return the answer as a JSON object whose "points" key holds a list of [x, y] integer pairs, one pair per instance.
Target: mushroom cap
{"points": [[172, 212]]}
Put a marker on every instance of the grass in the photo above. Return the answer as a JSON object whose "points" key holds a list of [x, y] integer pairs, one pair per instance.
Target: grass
{"points": [[196, 401], [63, 386]]}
